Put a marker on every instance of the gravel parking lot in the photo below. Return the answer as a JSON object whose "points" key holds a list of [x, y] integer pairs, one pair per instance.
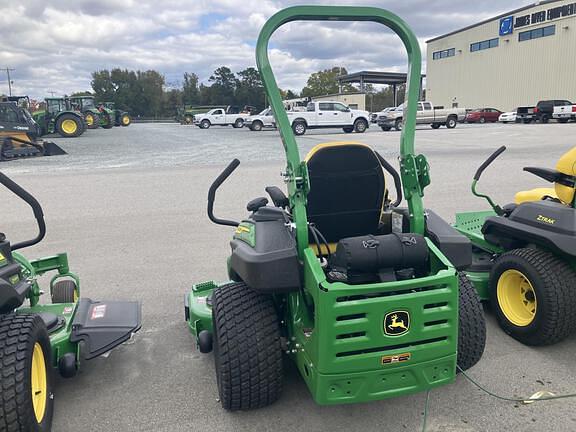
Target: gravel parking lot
{"points": [[128, 204]]}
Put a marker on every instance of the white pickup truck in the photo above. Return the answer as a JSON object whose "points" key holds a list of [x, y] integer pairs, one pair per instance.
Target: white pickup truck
{"points": [[426, 114], [263, 119], [221, 117], [329, 114]]}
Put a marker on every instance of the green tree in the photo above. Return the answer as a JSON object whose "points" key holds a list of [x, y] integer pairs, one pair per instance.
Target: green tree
{"points": [[102, 85], [249, 88], [325, 82], [190, 90], [221, 92]]}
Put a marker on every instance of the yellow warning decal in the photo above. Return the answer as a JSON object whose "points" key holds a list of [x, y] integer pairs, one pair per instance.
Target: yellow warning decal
{"points": [[546, 219]]}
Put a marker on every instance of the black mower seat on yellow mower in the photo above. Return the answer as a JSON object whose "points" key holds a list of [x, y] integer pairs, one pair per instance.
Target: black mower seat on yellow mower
{"points": [[347, 189], [563, 177]]}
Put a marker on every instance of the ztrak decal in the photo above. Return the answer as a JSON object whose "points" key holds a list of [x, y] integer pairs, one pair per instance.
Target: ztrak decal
{"points": [[396, 323], [546, 219]]}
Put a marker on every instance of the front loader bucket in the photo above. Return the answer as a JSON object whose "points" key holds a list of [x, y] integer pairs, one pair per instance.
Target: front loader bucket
{"points": [[52, 149], [14, 147]]}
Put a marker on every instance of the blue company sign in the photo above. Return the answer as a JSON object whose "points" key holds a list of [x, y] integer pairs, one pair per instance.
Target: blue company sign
{"points": [[506, 26]]}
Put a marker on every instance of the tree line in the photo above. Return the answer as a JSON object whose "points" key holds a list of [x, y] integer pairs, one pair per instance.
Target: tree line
{"points": [[145, 93]]}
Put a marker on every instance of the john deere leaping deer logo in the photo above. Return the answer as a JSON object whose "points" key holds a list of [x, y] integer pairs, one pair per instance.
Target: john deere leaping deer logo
{"points": [[396, 323]]}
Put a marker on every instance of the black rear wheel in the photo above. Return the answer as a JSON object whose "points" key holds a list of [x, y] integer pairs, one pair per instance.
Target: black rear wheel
{"points": [[435, 125], [299, 128], [27, 400], [471, 325], [398, 124], [532, 293], [247, 350], [106, 122], [451, 122]]}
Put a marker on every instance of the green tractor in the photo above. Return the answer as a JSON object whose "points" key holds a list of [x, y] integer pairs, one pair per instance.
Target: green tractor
{"points": [[121, 118], [38, 339], [86, 106], [524, 255], [59, 117], [363, 296], [107, 116]]}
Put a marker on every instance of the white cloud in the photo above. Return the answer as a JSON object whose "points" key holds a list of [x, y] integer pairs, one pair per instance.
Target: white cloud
{"points": [[54, 46]]}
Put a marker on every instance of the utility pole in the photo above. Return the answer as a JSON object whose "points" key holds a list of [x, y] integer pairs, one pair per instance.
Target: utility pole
{"points": [[8, 70]]}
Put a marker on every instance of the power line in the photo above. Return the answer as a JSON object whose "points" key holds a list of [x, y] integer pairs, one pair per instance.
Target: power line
{"points": [[8, 70]]}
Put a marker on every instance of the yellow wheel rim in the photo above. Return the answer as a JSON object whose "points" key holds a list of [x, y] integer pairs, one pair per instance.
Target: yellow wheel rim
{"points": [[39, 383], [125, 120], [89, 119], [516, 297], [69, 126]]}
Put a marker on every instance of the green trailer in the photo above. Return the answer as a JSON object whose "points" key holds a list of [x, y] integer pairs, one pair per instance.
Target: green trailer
{"points": [[357, 292], [59, 117]]}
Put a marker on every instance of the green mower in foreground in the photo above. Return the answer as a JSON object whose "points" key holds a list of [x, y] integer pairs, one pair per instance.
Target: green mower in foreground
{"points": [[38, 339], [356, 291], [524, 255]]}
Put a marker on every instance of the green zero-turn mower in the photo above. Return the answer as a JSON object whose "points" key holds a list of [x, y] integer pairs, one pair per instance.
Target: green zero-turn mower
{"points": [[121, 117], [355, 291], [58, 117], [87, 107], [524, 255], [38, 339]]}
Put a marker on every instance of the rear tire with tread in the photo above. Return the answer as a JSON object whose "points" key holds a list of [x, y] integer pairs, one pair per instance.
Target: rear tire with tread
{"points": [[19, 334], [247, 349], [471, 325], [553, 282], [299, 128], [451, 122]]}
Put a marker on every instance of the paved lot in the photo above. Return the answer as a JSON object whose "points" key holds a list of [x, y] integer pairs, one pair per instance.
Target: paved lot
{"points": [[128, 204]]}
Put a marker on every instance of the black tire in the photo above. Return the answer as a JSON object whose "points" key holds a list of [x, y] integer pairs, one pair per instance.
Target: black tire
{"points": [[544, 118], [68, 132], [451, 122], [348, 129], [471, 325], [527, 121], [257, 126], [482, 120], [64, 291], [386, 128], [19, 335], [106, 121], [238, 124], [299, 128], [188, 119], [552, 281], [205, 124], [247, 349], [398, 124], [360, 126], [435, 125], [563, 120]]}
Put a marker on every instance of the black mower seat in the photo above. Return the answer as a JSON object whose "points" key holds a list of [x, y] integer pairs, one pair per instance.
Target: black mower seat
{"points": [[347, 189]]}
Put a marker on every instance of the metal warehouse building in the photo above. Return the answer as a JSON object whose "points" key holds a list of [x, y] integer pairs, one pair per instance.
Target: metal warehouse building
{"points": [[515, 59]]}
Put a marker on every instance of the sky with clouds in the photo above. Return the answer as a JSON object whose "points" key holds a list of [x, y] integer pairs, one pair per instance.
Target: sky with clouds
{"points": [[54, 45]]}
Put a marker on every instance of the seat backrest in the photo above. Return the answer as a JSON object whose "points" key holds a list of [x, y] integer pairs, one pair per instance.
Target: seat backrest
{"points": [[566, 165], [347, 189]]}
